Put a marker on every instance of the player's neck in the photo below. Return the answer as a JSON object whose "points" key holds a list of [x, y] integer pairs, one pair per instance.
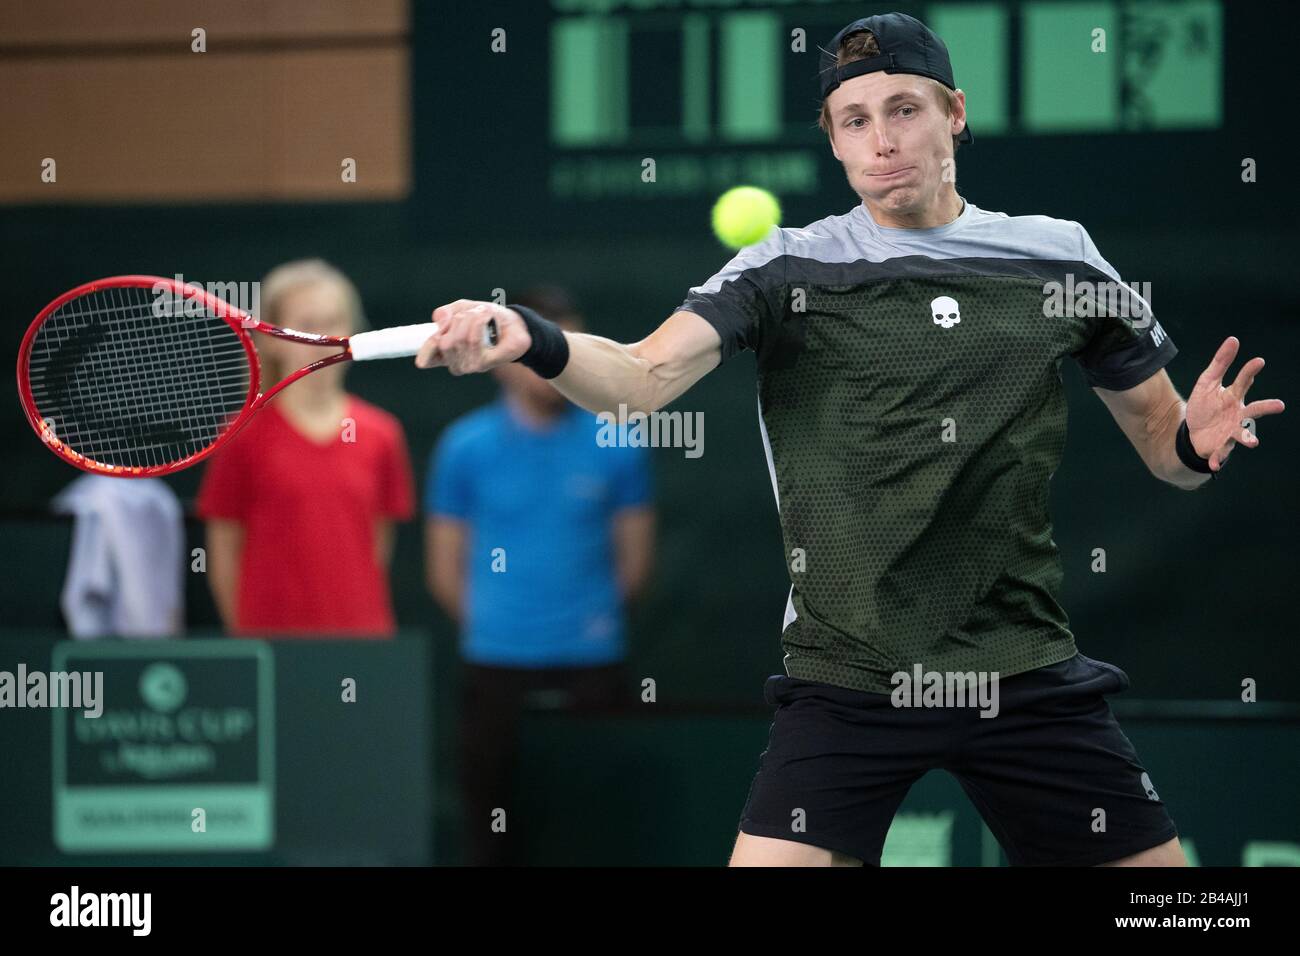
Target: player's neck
{"points": [[946, 207]]}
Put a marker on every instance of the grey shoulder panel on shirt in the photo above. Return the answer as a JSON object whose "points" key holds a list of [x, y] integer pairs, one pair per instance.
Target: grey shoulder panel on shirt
{"points": [[850, 238], [734, 299]]}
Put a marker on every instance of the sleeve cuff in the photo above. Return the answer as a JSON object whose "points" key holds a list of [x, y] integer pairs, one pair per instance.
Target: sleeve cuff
{"points": [[1128, 376]]}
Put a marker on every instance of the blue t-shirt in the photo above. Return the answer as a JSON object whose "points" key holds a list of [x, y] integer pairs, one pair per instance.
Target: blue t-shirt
{"points": [[538, 505]]}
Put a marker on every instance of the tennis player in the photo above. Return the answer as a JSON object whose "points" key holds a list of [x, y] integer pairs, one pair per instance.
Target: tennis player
{"points": [[912, 411]]}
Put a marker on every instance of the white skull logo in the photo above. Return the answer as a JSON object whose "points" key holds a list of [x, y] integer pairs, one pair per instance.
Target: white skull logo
{"points": [[1147, 786], [946, 311]]}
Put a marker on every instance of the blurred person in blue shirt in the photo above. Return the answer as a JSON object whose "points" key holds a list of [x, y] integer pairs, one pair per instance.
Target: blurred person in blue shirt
{"points": [[536, 539]]}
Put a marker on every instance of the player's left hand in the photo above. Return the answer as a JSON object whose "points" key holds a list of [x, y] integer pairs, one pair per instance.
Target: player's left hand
{"points": [[1219, 418]]}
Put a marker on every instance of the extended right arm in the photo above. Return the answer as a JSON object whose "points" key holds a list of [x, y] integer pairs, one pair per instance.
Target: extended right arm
{"points": [[645, 375], [600, 374]]}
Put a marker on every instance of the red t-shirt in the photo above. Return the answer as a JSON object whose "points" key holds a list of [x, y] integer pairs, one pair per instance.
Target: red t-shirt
{"points": [[309, 511]]}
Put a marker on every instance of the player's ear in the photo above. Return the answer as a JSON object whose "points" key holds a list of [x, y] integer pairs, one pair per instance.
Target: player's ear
{"points": [[958, 115]]}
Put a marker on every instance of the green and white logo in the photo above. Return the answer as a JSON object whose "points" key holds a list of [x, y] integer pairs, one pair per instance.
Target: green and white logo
{"points": [[181, 757], [163, 687]]}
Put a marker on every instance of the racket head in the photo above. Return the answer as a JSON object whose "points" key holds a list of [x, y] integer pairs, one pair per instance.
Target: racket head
{"points": [[116, 384]]}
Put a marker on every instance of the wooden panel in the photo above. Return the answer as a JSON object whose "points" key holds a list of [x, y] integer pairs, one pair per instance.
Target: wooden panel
{"points": [[198, 127], [106, 23]]}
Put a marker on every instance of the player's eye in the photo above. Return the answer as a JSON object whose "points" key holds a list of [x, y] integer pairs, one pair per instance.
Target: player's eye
{"points": [[907, 110], [856, 120]]}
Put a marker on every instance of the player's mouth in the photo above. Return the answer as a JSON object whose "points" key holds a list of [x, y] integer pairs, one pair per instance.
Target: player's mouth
{"points": [[891, 175]]}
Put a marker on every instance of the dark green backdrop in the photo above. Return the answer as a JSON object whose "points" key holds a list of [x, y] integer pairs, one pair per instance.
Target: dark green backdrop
{"points": [[1197, 595], [1197, 592]]}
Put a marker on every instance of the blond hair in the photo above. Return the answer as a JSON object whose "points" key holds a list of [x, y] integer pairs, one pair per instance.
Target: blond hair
{"points": [[289, 277], [292, 276]]}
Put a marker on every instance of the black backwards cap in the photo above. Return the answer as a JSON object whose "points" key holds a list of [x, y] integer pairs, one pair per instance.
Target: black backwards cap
{"points": [[906, 46]]}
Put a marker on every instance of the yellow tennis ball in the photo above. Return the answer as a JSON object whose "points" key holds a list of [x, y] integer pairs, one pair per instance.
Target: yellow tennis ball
{"points": [[744, 215]]}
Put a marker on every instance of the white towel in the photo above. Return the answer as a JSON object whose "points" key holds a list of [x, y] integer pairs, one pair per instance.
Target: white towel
{"points": [[126, 572]]}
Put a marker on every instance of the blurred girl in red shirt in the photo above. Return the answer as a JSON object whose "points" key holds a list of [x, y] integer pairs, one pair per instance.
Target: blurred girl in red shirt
{"points": [[300, 505]]}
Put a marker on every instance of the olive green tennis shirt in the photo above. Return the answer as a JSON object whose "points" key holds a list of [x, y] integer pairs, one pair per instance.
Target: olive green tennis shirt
{"points": [[913, 412]]}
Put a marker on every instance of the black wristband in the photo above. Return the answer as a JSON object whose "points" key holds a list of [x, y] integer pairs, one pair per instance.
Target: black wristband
{"points": [[549, 352], [1187, 453]]}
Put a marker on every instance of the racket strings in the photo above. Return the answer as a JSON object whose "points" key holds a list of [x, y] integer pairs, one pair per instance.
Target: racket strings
{"points": [[125, 377]]}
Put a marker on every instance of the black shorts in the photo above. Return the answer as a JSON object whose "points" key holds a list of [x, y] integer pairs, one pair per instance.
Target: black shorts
{"points": [[839, 762]]}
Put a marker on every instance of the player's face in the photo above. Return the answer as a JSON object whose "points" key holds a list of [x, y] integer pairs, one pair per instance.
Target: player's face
{"points": [[893, 136]]}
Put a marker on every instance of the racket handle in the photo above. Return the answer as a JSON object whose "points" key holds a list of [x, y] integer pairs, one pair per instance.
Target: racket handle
{"points": [[398, 342]]}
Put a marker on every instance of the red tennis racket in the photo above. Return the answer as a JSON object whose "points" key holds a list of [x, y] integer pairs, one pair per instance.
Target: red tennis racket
{"points": [[138, 376]]}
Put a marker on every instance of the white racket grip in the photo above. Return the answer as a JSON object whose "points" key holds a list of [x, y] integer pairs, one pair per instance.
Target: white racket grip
{"points": [[400, 341]]}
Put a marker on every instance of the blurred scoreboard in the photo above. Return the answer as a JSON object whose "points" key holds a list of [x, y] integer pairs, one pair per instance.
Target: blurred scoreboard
{"points": [[670, 78], [645, 102]]}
